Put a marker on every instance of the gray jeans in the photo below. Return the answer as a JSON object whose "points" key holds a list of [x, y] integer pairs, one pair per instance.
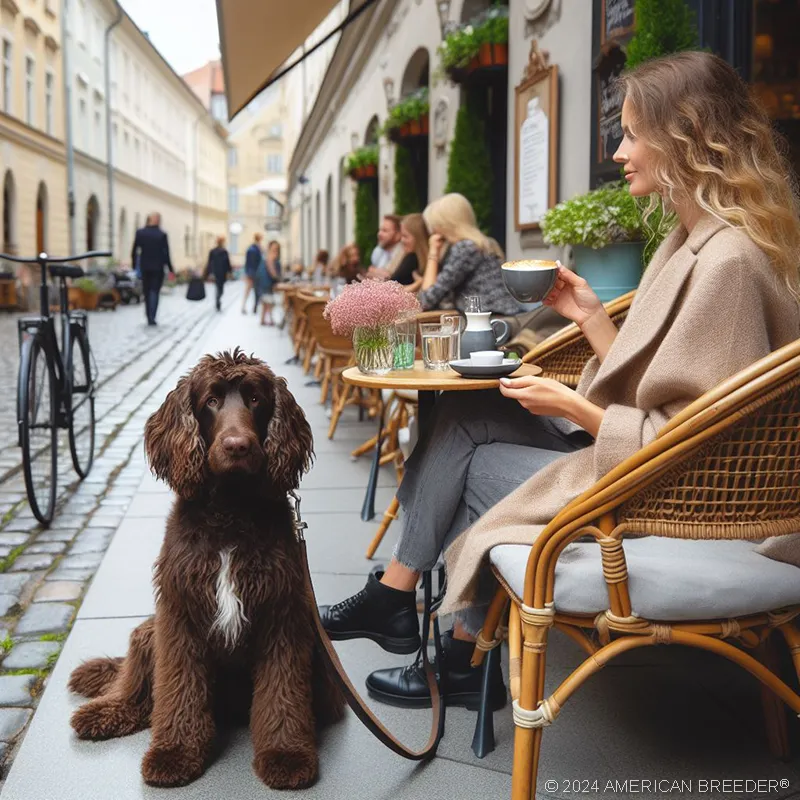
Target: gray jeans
{"points": [[478, 447]]}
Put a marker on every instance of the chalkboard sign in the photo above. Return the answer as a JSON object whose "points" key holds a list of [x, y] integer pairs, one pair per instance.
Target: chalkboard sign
{"points": [[608, 104], [618, 19]]}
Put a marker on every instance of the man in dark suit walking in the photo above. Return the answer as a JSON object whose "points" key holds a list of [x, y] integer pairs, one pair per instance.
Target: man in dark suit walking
{"points": [[151, 248]]}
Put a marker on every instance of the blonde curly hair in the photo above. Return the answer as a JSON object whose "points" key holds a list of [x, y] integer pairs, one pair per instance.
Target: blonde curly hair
{"points": [[714, 144]]}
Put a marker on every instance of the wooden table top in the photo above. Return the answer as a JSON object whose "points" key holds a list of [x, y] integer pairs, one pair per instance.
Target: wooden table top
{"points": [[427, 380]]}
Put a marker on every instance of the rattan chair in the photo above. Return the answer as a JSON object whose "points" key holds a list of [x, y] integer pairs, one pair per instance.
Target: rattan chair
{"points": [[563, 355], [334, 353], [722, 474]]}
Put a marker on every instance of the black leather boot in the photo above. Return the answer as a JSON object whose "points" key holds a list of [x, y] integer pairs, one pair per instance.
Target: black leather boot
{"points": [[460, 682], [386, 616]]}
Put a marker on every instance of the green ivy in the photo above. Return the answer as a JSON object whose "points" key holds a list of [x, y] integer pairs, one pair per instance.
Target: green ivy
{"points": [[366, 219], [469, 170], [406, 200], [662, 27]]}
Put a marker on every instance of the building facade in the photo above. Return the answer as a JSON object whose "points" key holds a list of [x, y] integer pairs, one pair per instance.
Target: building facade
{"points": [[129, 109], [391, 50], [32, 148]]}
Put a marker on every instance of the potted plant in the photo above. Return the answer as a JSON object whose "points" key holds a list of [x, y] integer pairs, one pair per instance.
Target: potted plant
{"points": [[362, 164], [368, 310], [608, 235], [409, 117], [481, 44], [89, 293]]}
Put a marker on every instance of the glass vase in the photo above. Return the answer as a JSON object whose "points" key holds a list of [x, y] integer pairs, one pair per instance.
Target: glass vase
{"points": [[374, 349]]}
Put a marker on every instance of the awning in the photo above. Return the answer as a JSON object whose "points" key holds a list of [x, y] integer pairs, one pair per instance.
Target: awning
{"points": [[267, 186], [257, 37]]}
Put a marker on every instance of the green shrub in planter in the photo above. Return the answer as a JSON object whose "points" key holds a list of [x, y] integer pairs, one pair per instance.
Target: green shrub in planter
{"points": [[462, 45], [362, 157], [366, 220], [406, 200], [88, 285], [414, 107], [662, 27], [469, 170]]}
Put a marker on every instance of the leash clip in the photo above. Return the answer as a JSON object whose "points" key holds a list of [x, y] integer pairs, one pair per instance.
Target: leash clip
{"points": [[299, 525]]}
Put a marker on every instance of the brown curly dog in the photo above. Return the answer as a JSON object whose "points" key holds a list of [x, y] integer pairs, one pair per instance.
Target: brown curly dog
{"points": [[232, 632]]}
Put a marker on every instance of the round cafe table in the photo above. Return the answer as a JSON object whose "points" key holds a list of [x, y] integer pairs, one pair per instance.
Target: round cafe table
{"points": [[427, 383]]}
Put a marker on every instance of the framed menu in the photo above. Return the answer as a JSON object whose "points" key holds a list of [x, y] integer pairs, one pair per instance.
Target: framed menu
{"points": [[617, 19], [536, 142], [608, 101]]}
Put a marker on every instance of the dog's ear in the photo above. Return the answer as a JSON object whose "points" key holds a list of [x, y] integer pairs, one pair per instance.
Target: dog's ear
{"points": [[173, 444], [289, 445]]}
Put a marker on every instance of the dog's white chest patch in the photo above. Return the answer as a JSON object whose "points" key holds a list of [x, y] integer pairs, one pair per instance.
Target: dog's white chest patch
{"points": [[229, 619]]}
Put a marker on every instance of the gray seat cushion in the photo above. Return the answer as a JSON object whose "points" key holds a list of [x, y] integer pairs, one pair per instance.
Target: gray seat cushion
{"points": [[668, 579]]}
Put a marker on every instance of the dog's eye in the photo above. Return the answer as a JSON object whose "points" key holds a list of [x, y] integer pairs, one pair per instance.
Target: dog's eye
{"points": [[254, 400], [212, 402]]}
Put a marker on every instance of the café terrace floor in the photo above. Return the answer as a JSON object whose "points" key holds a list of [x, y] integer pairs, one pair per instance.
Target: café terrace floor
{"points": [[666, 714]]}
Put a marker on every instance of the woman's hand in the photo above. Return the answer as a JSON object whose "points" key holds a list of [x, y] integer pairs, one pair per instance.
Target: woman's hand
{"points": [[435, 245], [546, 397], [572, 297]]}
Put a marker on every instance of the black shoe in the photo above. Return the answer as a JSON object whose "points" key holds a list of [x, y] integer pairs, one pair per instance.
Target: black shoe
{"points": [[460, 683], [386, 616]]}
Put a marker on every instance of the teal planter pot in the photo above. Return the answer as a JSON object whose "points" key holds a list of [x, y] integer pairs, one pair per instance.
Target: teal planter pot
{"points": [[612, 270]]}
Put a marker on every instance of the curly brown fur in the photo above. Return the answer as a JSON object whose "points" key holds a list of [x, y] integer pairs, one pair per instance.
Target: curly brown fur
{"points": [[232, 637]]}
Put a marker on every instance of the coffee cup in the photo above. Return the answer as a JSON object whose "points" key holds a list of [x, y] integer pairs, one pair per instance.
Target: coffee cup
{"points": [[529, 280], [486, 358]]}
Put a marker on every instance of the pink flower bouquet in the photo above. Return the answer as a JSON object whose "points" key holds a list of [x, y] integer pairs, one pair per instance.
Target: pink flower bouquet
{"points": [[369, 304]]}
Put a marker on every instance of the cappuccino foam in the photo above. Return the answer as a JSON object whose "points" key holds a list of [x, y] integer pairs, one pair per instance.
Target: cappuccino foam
{"points": [[530, 265]]}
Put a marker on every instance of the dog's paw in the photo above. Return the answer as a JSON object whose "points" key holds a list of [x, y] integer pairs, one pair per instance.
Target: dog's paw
{"points": [[107, 718], [171, 766], [93, 678], [282, 769]]}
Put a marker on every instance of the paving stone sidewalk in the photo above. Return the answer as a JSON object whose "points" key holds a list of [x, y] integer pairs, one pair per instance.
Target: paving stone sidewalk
{"points": [[44, 572]]}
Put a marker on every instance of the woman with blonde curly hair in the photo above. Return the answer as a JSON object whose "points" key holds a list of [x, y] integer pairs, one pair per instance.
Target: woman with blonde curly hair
{"points": [[720, 293]]}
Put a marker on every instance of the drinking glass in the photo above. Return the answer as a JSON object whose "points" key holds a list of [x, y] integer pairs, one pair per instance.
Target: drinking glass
{"points": [[456, 324], [405, 343], [436, 343], [472, 304]]}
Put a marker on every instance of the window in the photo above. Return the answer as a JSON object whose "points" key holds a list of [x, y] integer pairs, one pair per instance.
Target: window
{"points": [[276, 130], [219, 107], [233, 199], [275, 163], [273, 207], [137, 156], [84, 123], [7, 84], [49, 81], [233, 157], [234, 248], [98, 134], [80, 12], [97, 38], [30, 99]]}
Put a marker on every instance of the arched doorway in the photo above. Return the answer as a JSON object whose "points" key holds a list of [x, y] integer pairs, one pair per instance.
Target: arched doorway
{"points": [[485, 99], [92, 223], [411, 154], [9, 214], [342, 206], [41, 218], [318, 229]]}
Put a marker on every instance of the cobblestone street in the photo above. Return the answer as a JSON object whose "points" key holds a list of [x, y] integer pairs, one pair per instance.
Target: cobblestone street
{"points": [[43, 573]]}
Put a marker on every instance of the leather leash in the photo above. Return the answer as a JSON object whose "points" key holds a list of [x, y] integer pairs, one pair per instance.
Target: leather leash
{"points": [[353, 698]]}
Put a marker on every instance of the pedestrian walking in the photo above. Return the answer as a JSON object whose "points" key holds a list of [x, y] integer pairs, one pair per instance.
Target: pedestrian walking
{"points": [[252, 259], [269, 274], [219, 266], [151, 252]]}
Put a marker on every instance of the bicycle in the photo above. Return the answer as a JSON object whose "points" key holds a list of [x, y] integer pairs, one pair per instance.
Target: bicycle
{"points": [[55, 386]]}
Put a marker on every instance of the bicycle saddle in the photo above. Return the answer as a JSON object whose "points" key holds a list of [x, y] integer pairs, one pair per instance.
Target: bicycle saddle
{"points": [[66, 271]]}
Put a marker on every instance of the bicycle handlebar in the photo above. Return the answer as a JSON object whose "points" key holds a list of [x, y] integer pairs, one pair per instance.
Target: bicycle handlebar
{"points": [[50, 260]]}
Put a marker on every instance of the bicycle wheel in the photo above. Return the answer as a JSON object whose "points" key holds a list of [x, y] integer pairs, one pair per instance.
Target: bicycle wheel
{"points": [[81, 424], [39, 431]]}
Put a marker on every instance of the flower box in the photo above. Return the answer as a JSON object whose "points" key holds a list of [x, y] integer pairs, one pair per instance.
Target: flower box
{"points": [[493, 55]]}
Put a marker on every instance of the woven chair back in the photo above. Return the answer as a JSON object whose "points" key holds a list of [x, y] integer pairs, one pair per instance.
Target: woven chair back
{"points": [[743, 480]]}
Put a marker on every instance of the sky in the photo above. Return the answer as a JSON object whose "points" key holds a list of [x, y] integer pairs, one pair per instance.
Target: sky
{"points": [[184, 31]]}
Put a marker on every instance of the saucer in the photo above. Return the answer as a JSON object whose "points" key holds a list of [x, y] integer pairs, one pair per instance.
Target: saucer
{"points": [[467, 369]]}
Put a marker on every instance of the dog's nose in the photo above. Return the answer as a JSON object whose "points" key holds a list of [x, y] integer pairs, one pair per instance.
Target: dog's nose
{"points": [[236, 445]]}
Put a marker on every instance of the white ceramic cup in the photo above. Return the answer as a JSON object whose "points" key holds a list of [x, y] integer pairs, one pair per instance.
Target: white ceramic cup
{"points": [[486, 358]]}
